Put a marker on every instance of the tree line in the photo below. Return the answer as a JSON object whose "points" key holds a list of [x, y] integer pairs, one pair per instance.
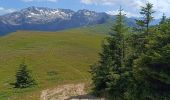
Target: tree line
{"points": [[135, 62]]}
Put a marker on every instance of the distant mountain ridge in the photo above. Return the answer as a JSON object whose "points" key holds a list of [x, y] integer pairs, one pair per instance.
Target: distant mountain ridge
{"points": [[47, 19]]}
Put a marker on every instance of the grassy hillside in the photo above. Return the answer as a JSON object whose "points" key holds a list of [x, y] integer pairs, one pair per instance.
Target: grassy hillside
{"points": [[54, 58]]}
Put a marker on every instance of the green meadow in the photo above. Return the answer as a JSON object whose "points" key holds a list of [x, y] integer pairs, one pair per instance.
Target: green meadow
{"points": [[53, 57]]}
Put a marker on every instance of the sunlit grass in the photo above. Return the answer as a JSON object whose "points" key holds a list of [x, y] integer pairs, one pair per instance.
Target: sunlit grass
{"points": [[54, 58]]}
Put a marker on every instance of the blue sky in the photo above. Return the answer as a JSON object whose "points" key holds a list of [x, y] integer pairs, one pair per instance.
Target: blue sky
{"points": [[131, 7]]}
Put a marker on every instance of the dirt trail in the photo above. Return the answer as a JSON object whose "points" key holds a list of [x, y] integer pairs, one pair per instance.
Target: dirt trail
{"points": [[63, 92], [67, 92]]}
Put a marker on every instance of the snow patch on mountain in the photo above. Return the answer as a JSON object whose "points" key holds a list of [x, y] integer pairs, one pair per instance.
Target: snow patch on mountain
{"points": [[47, 19], [37, 15]]}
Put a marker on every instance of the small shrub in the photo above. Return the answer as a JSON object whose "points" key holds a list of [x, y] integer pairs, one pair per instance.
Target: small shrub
{"points": [[23, 77]]}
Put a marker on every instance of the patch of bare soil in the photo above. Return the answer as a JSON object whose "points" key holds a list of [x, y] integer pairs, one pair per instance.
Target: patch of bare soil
{"points": [[67, 92]]}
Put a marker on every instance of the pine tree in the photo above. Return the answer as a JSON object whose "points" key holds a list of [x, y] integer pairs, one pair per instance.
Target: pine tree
{"points": [[146, 12], [140, 25], [110, 74], [117, 39], [23, 77], [143, 28], [163, 19], [151, 69]]}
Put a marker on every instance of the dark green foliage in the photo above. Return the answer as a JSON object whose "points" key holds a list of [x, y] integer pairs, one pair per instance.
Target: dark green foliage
{"points": [[110, 75], [151, 73], [146, 12], [23, 77], [152, 69], [101, 70], [143, 29], [140, 25], [135, 66], [163, 19]]}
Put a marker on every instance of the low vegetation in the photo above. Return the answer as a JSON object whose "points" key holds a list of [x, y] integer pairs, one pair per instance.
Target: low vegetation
{"points": [[53, 57]]}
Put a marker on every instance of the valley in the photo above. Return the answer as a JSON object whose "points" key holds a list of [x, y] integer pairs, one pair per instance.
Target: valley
{"points": [[53, 57], [84, 50]]}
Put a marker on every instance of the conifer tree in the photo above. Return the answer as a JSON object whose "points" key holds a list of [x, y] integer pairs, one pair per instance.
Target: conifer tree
{"points": [[163, 19], [143, 28], [146, 12], [110, 73], [151, 68], [23, 77], [117, 39]]}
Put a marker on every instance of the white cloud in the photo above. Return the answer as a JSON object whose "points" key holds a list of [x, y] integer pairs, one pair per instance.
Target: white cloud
{"points": [[128, 14], [87, 1], [130, 3], [98, 2], [160, 6], [6, 10], [39, 0]]}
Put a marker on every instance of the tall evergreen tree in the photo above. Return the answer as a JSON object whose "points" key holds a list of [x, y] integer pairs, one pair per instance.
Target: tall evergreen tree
{"points": [[163, 19], [110, 73], [146, 12], [23, 77], [143, 28], [117, 39], [143, 74], [150, 70]]}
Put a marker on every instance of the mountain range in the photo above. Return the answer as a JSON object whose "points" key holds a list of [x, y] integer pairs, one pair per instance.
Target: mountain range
{"points": [[47, 19]]}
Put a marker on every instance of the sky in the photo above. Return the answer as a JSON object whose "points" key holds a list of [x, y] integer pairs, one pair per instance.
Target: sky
{"points": [[131, 7]]}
